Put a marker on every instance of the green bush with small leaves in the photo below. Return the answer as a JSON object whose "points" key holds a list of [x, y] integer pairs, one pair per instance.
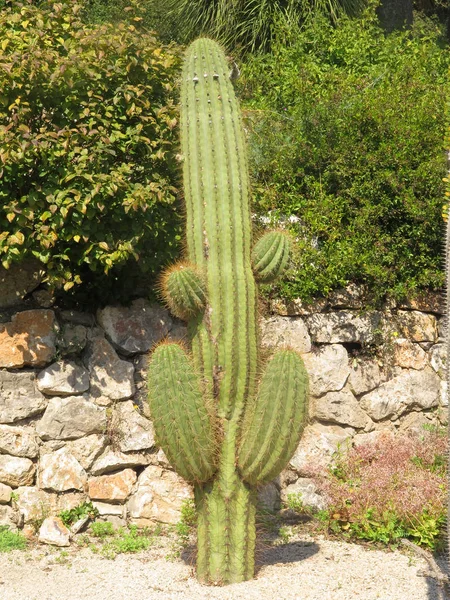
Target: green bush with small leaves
{"points": [[346, 132], [88, 137]]}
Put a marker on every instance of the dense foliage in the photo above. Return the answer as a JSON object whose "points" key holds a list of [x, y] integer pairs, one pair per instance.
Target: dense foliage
{"points": [[346, 128], [249, 25], [87, 136]]}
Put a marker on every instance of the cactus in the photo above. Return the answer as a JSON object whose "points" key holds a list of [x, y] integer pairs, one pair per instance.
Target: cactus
{"points": [[226, 422]]}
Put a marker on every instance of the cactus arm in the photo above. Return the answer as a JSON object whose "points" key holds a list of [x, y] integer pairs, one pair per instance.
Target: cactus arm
{"points": [[270, 256], [181, 418], [183, 289], [274, 419]]}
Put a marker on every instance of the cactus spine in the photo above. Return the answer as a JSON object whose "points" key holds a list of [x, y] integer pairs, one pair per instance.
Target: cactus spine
{"points": [[220, 429]]}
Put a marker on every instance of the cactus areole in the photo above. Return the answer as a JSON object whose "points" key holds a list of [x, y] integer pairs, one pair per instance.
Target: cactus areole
{"points": [[226, 422]]}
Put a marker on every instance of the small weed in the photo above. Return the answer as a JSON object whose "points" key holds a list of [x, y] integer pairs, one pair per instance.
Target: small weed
{"points": [[87, 509], [285, 534], [63, 558], [187, 522], [9, 540], [295, 502], [101, 529], [127, 541]]}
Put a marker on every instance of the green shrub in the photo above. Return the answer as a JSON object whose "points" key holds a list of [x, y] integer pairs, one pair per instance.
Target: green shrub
{"points": [[9, 540], [102, 529], [149, 14], [346, 128], [87, 133]]}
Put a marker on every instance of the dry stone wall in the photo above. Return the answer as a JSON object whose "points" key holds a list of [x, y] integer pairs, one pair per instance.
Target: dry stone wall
{"points": [[74, 422]]}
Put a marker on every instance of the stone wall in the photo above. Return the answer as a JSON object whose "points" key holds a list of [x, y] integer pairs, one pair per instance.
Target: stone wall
{"points": [[74, 423]]}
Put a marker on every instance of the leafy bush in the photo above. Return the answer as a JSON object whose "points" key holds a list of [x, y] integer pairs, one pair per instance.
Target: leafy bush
{"points": [[389, 489], [346, 128], [150, 14], [87, 134]]}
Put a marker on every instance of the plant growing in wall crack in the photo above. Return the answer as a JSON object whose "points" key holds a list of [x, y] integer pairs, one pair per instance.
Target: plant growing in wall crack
{"points": [[226, 422]]}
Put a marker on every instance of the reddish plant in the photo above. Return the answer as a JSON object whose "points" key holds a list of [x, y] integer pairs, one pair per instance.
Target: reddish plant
{"points": [[389, 488]]}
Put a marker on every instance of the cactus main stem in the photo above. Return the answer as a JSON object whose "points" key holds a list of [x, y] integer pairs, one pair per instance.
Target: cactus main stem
{"points": [[247, 434], [226, 532]]}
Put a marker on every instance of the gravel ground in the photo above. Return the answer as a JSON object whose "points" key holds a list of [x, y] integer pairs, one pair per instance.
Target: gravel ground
{"points": [[303, 569]]}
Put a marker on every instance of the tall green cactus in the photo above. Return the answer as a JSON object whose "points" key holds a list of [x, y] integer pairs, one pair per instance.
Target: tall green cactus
{"points": [[226, 423]]}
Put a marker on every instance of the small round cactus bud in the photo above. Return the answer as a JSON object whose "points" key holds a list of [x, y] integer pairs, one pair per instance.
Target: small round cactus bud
{"points": [[270, 256], [184, 291]]}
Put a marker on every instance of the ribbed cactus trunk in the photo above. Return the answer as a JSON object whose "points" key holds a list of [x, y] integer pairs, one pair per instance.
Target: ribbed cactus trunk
{"points": [[224, 343], [220, 427]]}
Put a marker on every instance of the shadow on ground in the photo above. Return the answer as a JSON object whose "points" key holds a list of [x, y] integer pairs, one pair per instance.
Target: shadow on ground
{"points": [[435, 590]]}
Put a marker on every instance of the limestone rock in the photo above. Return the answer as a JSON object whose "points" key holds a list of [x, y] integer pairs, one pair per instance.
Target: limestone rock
{"points": [[344, 327], [60, 471], [54, 532], [444, 393], [433, 302], [112, 488], [305, 490], [111, 460], [297, 308], [5, 493], [87, 449], [269, 497], [364, 376], [341, 408], [178, 332], [110, 376], [28, 339], [119, 510], [416, 326], [15, 471], [19, 280], [135, 328], [409, 355], [68, 501], [411, 389], [438, 359], [18, 441], [159, 496], [8, 517], [33, 504], [353, 296], [19, 397], [63, 378], [317, 446], [283, 331], [77, 317], [379, 435], [134, 431], [72, 339], [69, 418], [328, 369], [414, 421]]}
